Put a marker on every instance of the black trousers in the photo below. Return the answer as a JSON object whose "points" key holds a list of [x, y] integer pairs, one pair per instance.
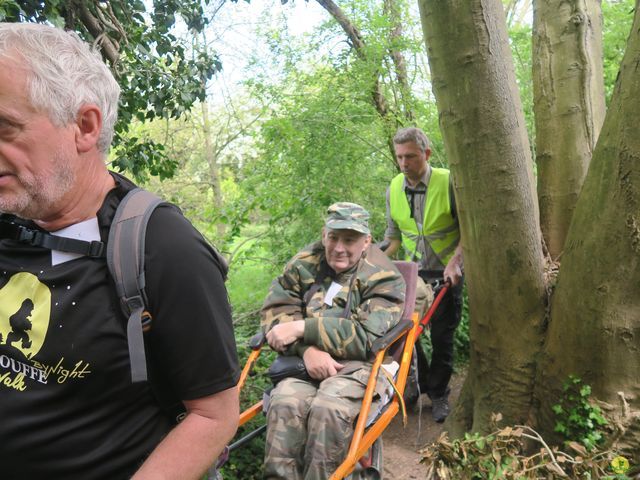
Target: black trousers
{"points": [[434, 376]]}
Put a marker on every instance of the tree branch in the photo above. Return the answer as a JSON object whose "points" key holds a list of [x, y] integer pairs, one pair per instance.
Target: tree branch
{"points": [[110, 49]]}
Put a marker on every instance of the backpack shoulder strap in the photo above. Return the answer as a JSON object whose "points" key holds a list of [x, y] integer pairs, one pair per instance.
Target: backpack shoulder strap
{"points": [[125, 259]]}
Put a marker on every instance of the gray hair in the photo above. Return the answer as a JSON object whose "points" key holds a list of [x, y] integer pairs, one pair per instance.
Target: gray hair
{"points": [[412, 134], [65, 73]]}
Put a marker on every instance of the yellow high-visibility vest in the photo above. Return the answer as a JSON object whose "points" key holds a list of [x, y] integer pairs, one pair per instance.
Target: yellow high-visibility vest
{"points": [[439, 229]]}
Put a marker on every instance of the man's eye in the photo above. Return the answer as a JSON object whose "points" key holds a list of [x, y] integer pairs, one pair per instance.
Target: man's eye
{"points": [[6, 126]]}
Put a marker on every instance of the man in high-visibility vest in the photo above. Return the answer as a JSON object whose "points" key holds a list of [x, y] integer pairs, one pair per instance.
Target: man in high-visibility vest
{"points": [[422, 217]]}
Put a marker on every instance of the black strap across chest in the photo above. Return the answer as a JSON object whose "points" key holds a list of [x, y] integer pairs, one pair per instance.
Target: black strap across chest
{"points": [[11, 230]]}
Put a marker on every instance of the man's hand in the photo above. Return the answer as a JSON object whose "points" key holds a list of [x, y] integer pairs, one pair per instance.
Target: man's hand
{"points": [[320, 365], [453, 270], [394, 246], [285, 334]]}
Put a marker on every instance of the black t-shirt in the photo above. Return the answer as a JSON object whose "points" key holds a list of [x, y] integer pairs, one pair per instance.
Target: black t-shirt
{"points": [[69, 409]]}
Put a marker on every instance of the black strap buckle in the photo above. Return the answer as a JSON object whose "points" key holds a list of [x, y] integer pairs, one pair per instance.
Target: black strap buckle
{"points": [[96, 249], [32, 237]]}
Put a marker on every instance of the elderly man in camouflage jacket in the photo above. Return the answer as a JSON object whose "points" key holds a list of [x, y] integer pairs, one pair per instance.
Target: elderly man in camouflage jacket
{"points": [[334, 299]]}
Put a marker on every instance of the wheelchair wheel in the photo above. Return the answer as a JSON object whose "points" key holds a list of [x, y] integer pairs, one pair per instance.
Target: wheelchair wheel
{"points": [[373, 470]]}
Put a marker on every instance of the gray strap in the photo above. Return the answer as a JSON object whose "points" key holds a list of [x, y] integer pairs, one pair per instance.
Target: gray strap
{"points": [[125, 259], [135, 340]]}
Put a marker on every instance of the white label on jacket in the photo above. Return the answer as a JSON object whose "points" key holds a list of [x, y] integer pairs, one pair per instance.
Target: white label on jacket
{"points": [[334, 288]]}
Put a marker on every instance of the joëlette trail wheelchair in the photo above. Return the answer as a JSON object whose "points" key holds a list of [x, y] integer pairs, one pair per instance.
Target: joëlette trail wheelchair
{"points": [[393, 352]]}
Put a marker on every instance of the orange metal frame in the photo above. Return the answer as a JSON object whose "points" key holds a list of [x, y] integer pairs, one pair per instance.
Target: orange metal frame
{"points": [[363, 438], [255, 409]]}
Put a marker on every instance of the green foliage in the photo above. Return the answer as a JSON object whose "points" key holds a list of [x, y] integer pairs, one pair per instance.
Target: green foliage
{"points": [[249, 280], [208, 146], [618, 17], [322, 147], [324, 141], [139, 157], [7, 7], [577, 419], [520, 42], [246, 462]]}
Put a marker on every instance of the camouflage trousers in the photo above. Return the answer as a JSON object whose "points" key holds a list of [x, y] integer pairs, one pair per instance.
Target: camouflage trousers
{"points": [[310, 426]]}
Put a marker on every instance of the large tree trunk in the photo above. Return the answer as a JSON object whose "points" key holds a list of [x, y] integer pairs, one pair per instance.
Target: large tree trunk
{"points": [[595, 327], [486, 143], [568, 85]]}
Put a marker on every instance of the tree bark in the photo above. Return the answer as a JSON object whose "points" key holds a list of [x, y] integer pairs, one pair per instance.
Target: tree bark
{"points": [[98, 30], [595, 327], [569, 106], [486, 142]]}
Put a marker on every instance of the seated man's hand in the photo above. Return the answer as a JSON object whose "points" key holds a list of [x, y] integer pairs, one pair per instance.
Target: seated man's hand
{"points": [[285, 334], [320, 365]]}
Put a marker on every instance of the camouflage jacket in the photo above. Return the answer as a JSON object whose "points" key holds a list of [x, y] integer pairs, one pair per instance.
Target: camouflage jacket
{"points": [[377, 300]]}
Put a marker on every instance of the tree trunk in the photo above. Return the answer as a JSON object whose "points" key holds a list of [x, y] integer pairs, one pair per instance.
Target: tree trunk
{"points": [[569, 106], [595, 327], [486, 142], [405, 101], [211, 155]]}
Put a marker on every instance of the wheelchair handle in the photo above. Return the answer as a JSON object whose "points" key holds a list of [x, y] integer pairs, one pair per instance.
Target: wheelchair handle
{"points": [[434, 306]]}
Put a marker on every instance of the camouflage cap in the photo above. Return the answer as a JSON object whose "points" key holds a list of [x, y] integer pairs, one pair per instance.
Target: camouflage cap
{"points": [[347, 216]]}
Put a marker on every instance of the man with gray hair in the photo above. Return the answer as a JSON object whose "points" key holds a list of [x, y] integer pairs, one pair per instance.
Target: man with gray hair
{"points": [[70, 409], [422, 217], [333, 300]]}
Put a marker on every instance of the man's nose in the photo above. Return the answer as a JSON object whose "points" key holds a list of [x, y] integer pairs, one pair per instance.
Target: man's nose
{"points": [[339, 246]]}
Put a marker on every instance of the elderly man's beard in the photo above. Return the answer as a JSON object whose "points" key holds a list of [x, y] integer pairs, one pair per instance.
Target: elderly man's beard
{"points": [[41, 193]]}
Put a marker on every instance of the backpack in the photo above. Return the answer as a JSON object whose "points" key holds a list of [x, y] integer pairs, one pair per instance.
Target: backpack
{"points": [[124, 254]]}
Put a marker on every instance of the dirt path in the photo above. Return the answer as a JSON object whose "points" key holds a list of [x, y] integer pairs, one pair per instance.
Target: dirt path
{"points": [[401, 445]]}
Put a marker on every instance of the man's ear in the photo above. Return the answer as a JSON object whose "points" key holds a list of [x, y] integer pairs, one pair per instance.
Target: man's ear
{"points": [[427, 154], [322, 236], [88, 127], [367, 242]]}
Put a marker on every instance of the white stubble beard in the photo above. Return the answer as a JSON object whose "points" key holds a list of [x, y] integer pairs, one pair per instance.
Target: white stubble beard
{"points": [[41, 193]]}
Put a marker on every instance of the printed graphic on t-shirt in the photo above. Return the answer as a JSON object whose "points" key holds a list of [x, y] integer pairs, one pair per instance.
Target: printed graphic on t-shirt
{"points": [[25, 311]]}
